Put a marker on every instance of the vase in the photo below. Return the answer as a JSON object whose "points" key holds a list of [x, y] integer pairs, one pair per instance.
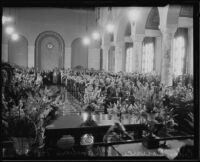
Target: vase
{"points": [[21, 145], [150, 142]]}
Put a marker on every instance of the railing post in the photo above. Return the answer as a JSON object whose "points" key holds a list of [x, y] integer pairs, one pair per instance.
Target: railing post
{"points": [[106, 151]]}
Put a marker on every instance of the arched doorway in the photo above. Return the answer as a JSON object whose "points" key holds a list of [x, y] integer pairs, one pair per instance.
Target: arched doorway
{"points": [[79, 54], [49, 51], [111, 59], [18, 51]]}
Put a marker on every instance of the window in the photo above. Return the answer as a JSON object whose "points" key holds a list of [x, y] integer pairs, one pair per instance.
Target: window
{"points": [[178, 55], [147, 57], [129, 59]]}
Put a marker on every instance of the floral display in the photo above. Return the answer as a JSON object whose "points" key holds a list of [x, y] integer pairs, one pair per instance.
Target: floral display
{"points": [[29, 104]]}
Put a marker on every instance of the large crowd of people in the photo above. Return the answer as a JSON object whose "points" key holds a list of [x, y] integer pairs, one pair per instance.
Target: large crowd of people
{"points": [[28, 95]]}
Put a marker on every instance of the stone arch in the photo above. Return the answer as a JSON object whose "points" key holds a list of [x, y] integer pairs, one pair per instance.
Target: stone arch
{"points": [[106, 39], [79, 54], [153, 19], [169, 15], [141, 21], [173, 15], [121, 29], [18, 51], [49, 42]]}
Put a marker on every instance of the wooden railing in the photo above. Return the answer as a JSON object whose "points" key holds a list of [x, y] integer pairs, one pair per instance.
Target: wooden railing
{"points": [[52, 135]]}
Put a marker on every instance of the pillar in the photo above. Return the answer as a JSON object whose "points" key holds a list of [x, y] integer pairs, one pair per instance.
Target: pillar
{"points": [[190, 52], [137, 52], [31, 56], [119, 48], [158, 56], [68, 53], [105, 57], [167, 44], [4, 52]]}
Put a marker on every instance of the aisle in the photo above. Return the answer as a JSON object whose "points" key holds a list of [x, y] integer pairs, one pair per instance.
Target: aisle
{"points": [[69, 106], [72, 109], [68, 115]]}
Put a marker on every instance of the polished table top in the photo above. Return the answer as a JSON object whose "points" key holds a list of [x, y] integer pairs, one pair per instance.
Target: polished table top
{"points": [[75, 120]]}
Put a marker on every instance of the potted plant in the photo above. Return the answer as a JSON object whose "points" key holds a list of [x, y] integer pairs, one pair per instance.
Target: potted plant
{"points": [[150, 139], [23, 132], [145, 109]]}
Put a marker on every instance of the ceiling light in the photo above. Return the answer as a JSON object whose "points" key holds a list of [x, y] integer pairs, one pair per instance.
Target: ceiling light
{"points": [[9, 30], [9, 19], [95, 35], [110, 28], [15, 37], [86, 41], [3, 19], [133, 15], [6, 19]]}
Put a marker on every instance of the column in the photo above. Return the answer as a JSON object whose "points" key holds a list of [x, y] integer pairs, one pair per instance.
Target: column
{"points": [[190, 51], [119, 48], [167, 44], [94, 58], [137, 52], [67, 62], [4, 52], [31, 56], [105, 57], [158, 56]]}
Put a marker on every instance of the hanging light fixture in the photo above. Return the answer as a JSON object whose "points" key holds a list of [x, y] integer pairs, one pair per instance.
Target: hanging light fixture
{"points": [[133, 14], [86, 39], [15, 37], [7, 18], [95, 35], [9, 30], [110, 26]]}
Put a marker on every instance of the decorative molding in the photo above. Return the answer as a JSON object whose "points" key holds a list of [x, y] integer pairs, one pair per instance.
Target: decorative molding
{"points": [[152, 33], [128, 39], [170, 29], [138, 37], [119, 43], [185, 22]]}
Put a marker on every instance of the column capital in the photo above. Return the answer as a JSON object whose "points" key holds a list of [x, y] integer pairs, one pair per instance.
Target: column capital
{"points": [[105, 47], [138, 37], [119, 43], [170, 29]]}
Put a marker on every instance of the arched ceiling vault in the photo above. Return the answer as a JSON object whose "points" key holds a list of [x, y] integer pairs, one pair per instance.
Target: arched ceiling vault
{"points": [[153, 19]]}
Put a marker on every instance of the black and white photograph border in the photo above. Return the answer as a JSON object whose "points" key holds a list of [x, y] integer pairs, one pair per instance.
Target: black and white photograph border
{"points": [[100, 80]]}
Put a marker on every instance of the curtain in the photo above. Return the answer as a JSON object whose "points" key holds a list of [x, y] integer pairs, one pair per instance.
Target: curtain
{"points": [[148, 52]]}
